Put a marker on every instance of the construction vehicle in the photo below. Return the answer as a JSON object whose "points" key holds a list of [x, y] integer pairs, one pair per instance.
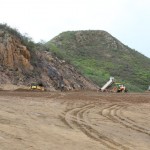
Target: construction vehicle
{"points": [[37, 86], [112, 86], [110, 82], [119, 87]]}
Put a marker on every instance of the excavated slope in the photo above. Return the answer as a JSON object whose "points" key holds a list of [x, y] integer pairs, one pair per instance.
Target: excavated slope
{"points": [[21, 66]]}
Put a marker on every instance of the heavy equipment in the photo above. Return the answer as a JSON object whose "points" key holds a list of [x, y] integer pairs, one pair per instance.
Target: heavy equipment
{"points": [[112, 86], [37, 86], [110, 82], [119, 87]]}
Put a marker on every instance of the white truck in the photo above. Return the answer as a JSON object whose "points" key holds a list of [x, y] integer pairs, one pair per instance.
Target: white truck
{"points": [[111, 81]]}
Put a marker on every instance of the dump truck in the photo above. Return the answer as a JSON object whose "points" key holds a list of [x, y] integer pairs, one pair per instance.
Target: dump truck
{"points": [[112, 86], [109, 83]]}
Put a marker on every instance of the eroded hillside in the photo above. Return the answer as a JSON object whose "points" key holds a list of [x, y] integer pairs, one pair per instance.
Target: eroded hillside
{"points": [[23, 62]]}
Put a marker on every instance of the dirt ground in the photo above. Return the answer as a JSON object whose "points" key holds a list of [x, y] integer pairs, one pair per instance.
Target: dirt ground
{"points": [[74, 121]]}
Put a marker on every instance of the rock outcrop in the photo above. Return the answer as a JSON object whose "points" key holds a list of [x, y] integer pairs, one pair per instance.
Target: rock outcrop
{"points": [[56, 72], [20, 66], [13, 54]]}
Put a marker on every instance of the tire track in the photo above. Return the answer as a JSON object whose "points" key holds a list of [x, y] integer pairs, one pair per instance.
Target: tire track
{"points": [[115, 114], [77, 118], [129, 123], [110, 143]]}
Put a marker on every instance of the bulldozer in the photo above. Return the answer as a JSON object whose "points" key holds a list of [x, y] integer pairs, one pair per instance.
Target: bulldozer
{"points": [[37, 86]]}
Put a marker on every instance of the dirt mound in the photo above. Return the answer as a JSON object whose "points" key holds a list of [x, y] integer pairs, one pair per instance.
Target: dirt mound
{"points": [[11, 87]]}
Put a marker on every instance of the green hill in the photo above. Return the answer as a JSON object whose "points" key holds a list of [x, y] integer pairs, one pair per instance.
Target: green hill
{"points": [[98, 55]]}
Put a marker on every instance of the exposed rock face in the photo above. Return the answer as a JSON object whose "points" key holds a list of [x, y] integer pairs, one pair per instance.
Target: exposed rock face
{"points": [[56, 72], [19, 66], [13, 54]]}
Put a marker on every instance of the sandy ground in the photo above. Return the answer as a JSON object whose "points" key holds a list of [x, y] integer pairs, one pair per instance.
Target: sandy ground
{"points": [[74, 121]]}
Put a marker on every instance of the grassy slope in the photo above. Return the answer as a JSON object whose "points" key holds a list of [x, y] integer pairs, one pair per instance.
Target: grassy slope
{"points": [[98, 56]]}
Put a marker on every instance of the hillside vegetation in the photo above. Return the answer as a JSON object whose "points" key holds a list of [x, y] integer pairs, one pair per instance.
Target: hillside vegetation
{"points": [[98, 55]]}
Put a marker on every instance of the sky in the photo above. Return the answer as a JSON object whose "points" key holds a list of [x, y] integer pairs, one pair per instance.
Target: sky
{"points": [[127, 20]]}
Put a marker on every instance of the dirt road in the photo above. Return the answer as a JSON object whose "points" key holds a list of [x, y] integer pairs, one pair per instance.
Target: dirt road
{"points": [[74, 121]]}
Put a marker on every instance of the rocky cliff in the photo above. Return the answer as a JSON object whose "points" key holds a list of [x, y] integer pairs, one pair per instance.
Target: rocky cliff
{"points": [[13, 54], [21, 64]]}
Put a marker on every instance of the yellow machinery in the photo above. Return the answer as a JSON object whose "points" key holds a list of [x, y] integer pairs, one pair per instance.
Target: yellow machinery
{"points": [[35, 86]]}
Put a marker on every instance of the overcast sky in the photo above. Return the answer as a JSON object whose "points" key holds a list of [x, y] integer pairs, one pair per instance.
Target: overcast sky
{"points": [[127, 20]]}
